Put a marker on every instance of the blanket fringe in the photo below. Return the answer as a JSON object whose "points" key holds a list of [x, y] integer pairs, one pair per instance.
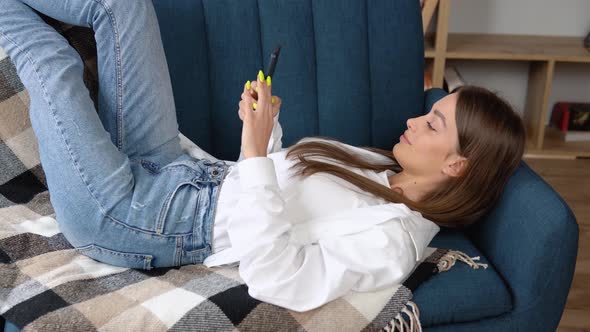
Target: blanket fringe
{"points": [[399, 323], [448, 260]]}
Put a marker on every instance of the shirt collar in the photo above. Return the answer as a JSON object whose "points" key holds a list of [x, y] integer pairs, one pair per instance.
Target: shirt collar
{"points": [[421, 230]]}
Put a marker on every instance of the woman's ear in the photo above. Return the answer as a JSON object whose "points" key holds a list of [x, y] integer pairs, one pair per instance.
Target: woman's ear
{"points": [[456, 167]]}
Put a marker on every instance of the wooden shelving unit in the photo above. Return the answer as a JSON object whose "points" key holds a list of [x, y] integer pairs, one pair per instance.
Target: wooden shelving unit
{"points": [[542, 52]]}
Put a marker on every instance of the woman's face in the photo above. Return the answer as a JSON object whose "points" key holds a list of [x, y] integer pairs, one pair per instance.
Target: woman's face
{"points": [[433, 140]]}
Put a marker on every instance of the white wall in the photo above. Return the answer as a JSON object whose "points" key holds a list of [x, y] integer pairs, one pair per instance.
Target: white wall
{"points": [[571, 82]]}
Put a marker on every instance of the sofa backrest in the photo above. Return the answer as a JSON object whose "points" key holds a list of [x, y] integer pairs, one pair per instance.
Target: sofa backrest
{"points": [[348, 69]]}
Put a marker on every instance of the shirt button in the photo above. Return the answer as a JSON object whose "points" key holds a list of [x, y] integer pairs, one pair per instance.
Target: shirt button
{"points": [[215, 172]]}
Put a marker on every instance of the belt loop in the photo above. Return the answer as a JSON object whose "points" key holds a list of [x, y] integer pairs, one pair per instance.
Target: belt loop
{"points": [[179, 251]]}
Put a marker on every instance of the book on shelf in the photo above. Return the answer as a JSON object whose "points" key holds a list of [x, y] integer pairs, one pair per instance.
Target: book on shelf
{"points": [[576, 136], [572, 119], [452, 79]]}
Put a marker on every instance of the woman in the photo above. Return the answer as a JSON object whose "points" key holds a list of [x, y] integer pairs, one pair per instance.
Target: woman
{"points": [[125, 192]]}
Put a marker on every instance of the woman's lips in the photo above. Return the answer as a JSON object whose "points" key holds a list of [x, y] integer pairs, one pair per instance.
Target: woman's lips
{"points": [[405, 139]]}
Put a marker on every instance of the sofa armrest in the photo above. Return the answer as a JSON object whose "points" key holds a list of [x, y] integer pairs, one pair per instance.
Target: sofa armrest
{"points": [[531, 238]]}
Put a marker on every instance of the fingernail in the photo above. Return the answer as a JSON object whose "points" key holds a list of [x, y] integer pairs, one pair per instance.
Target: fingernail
{"points": [[256, 89], [261, 75], [268, 80], [248, 86], [255, 105], [272, 100]]}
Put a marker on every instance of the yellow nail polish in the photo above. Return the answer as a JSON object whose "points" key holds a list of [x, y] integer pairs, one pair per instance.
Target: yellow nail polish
{"points": [[272, 100], [268, 80], [261, 75], [255, 105], [248, 86], [256, 89]]}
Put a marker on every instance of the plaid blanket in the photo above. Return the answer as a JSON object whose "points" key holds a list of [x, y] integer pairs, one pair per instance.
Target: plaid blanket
{"points": [[46, 285]]}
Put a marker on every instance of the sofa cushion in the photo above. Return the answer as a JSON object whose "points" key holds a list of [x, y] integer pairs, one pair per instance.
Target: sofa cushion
{"points": [[351, 70], [461, 294]]}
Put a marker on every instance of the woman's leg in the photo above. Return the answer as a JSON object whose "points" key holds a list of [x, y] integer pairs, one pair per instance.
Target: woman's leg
{"points": [[109, 207], [135, 99], [80, 161]]}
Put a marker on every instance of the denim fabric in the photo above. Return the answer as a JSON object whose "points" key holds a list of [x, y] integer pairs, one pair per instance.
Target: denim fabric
{"points": [[123, 191]]}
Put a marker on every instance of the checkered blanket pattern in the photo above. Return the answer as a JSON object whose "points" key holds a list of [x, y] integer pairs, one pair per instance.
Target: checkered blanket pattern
{"points": [[46, 285]]}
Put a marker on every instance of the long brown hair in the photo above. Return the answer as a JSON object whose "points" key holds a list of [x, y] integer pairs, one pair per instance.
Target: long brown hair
{"points": [[491, 136]]}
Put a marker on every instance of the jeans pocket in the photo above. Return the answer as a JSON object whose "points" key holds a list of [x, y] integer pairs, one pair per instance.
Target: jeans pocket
{"points": [[117, 258], [180, 209]]}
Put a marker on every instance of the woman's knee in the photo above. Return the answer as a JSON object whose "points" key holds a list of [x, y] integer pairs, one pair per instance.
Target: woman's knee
{"points": [[126, 11]]}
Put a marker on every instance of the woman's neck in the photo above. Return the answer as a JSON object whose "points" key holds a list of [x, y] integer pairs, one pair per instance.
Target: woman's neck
{"points": [[413, 187]]}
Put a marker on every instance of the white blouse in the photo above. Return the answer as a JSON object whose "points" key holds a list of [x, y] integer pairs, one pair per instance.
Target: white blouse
{"points": [[301, 243]]}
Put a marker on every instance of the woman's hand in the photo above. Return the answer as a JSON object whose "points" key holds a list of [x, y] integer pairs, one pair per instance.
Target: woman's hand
{"points": [[276, 105], [257, 117]]}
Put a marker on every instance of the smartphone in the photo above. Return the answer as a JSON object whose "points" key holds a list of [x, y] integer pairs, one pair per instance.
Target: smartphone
{"points": [[270, 70], [272, 63]]}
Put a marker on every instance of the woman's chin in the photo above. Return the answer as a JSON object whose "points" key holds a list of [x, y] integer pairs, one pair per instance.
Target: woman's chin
{"points": [[395, 148]]}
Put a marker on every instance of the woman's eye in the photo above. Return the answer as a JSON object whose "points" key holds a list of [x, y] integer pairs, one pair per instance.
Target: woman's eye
{"points": [[429, 126]]}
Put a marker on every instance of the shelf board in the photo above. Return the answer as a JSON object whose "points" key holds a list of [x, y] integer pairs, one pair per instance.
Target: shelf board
{"points": [[513, 47], [555, 147]]}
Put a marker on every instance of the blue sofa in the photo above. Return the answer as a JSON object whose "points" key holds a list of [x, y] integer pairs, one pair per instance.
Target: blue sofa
{"points": [[353, 70]]}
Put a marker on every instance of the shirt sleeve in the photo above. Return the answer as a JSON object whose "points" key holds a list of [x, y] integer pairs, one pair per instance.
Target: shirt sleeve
{"points": [[301, 277], [275, 143], [276, 138]]}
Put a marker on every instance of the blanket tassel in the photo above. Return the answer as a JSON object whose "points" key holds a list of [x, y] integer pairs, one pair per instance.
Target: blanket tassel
{"points": [[448, 260], [399, 323]]}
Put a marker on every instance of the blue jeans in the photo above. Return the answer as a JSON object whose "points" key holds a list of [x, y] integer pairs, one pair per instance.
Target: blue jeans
{"points": [[123, 191]]}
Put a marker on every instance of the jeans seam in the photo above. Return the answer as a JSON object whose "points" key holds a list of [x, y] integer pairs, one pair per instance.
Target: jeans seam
{"points": [[52, 111], [119, 95], [140, 230], [111, 251]]}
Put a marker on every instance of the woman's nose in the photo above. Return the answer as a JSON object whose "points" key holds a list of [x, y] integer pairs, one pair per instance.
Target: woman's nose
{"points": [[409, 124]]}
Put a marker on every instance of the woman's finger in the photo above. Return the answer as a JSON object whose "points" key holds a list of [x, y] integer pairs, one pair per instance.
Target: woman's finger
{"points": [[245, 108], [246, 95], [250, 89], [253, 93], [247, 88], [260, 84], [276, 105], [264, 92], [250, 102]]}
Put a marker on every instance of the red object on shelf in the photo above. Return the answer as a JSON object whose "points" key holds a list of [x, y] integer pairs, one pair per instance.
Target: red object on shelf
{"points": [[565, 120], [560, 115]]}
